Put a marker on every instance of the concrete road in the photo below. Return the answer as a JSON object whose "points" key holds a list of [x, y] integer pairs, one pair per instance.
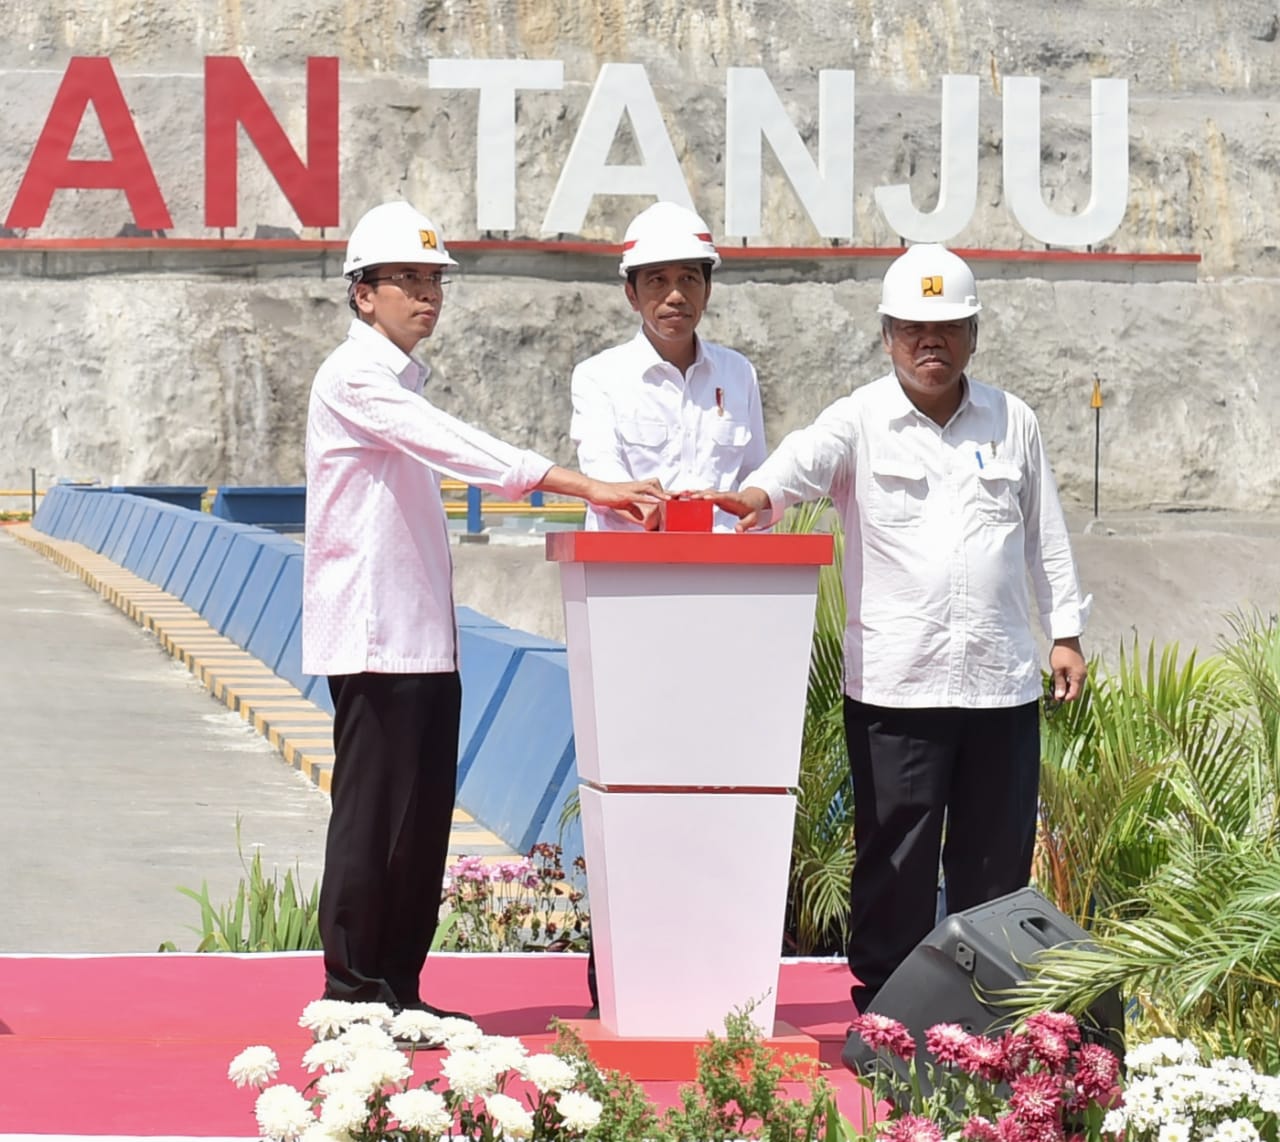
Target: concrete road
{"points": [[121, 778]]}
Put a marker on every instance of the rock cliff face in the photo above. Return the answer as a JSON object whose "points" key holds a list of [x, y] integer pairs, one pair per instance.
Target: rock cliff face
{"points": [[186, 369]]}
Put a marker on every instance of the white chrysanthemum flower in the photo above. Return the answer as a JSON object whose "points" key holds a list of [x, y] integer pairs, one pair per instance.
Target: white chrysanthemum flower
{"points": [[1113, 1122], [337, 1082], [375, 1069], [1147, 1056], [371, 1012], [470, 1073], [345, 1111], [319, 1132], [327, 1055], [580, 1111], [516, 1122], [421, 1109], [548, 1073], [1266, 1092], [282, 1112], [254, 1066], [1179, 1130], [507, 1052], [418, 1026], [1235, 1130], [366, 1037], [327, 1017], [458, 1034]]}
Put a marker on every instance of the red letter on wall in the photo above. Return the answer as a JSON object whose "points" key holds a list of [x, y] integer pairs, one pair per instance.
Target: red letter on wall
{"points": [[231, 98], [89, 80]]}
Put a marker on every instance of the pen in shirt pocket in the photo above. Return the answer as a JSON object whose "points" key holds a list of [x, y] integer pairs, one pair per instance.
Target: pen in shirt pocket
{"points": [[720, 401]]}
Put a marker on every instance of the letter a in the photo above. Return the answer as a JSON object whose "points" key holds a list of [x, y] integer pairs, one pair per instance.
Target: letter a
{"points": [[89, 80]]}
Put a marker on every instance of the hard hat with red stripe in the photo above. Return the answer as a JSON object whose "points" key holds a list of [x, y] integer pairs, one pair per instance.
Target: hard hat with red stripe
{"points": [[666, 232]]}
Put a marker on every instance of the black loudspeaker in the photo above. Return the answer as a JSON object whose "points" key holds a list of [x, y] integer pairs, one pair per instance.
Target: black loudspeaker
{"points": [[950, 976]]}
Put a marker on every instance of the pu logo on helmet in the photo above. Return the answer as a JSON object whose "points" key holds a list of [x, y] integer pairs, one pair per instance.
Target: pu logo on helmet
{"points": [[428, 239], [931, 286]]}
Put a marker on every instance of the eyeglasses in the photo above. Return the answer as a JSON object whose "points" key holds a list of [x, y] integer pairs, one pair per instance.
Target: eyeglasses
{"points": [[412, 282]]}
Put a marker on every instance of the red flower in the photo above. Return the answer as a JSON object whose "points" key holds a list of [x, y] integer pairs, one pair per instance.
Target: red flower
{"points": [[1050, 1047], [913, 1128], [1009, 1128], [1056, 1022], [1097, 1072], [946, 1041], [979, 1129], [1037, 1098], [1017, 1053], [879, 1031], [983, 1058]]}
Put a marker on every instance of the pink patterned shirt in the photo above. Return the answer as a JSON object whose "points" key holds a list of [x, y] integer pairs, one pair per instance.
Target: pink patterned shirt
{"points": [[377, 571]]}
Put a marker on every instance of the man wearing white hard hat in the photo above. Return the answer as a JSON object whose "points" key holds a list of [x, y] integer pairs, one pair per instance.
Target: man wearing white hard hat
{"points": [[377, 616], [948, 505], [667, 404]]}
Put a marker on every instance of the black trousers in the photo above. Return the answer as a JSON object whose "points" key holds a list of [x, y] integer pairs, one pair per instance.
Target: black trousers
{"points": [[395, 738], [915, 770]]}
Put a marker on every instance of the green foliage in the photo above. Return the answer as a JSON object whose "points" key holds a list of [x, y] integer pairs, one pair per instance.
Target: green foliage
{"points": [[264, 915], [739, 1093], [822, 848], [1160, 830]]}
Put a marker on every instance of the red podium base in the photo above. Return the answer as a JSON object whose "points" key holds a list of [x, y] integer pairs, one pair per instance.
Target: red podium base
{"points": [[676, 1060]]}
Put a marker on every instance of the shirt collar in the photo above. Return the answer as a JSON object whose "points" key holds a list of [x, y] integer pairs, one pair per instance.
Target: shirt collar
{"points": [[901, 408], [649, 358], [411, 373]]}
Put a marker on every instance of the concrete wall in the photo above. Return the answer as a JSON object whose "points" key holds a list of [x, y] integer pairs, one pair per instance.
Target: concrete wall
{"points": [[193, 369]]}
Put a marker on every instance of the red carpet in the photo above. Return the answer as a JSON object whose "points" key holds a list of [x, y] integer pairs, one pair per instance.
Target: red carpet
{"points": [[139, 1045]]}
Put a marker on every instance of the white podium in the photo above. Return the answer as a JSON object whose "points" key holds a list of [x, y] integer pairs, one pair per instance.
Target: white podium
{"points": [[688, 666]]}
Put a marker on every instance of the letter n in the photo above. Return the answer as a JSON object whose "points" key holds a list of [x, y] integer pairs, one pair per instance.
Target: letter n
{"points": [[89, 79], [232, 99]]}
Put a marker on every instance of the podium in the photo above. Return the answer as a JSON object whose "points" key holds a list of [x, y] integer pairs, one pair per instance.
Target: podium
{"points": [[688, 660]]}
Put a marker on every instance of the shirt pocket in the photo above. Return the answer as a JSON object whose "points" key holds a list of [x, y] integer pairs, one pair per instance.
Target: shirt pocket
{"points": [[729, 435], [998, 486], [642, 438], [896, 493], [647, 433]]}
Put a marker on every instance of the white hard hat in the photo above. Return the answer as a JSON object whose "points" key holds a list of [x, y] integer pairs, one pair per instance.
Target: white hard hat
{"points": [[666, 232], [929, 283], [394, 232]]}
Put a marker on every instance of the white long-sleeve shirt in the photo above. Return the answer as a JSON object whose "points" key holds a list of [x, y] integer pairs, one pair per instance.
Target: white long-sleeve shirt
{"points": [[636, 416], [377, 569], [942, 527]]}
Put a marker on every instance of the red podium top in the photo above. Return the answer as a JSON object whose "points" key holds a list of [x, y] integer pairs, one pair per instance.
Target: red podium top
{"points": [[751, 548]]}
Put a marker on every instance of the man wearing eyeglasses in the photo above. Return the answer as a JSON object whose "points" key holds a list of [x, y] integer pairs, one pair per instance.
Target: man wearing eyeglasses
{"points": [[378, 616]]}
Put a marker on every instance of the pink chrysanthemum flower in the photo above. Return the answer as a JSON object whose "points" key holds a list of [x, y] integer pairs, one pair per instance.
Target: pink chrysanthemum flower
{"points": [[1037, 1098], [1097, 1073], [1042, 1132], [1057, 1022], [979, 1129], [946, 1041], [913, 1128], [1009, 1128], [983, 1058], [1017, 1054], [880, 1032], [1050, 1047]]}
